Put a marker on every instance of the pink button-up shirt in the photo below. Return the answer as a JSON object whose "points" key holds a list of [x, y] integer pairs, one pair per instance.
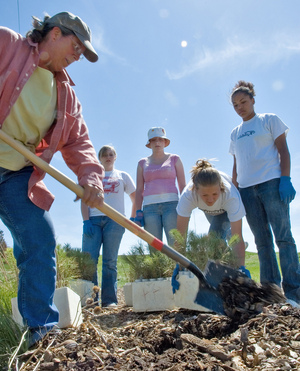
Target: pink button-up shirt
{"points": [[69, 134]]}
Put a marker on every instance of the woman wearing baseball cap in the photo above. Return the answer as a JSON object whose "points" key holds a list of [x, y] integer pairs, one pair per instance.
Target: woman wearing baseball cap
{"points": [[156, 187], [39, 108]]}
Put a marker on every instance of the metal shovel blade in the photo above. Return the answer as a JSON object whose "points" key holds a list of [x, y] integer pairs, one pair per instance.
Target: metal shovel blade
{"points": [[208, 295], [210, 298]]}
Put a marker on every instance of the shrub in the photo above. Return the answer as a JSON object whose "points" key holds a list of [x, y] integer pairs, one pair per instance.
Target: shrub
{"points": [[143, 265], [72, 263], [200, 248]]}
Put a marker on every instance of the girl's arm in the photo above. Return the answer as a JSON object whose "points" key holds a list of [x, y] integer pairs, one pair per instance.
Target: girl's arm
{"points": [[84, 211], [234, 173], [133, 209], [139, 188], [180, 175], [182, 224], [286, 190], [285, 159], [239, 248]]}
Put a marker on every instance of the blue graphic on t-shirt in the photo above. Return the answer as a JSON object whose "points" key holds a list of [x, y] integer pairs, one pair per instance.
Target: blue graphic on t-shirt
{"points": [[246, 134]]}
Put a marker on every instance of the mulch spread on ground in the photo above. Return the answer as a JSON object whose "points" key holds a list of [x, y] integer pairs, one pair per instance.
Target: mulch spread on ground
{"points": [[120, 339]]}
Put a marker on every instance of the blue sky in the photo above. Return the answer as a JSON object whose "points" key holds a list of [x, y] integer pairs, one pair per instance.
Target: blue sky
{"points": [[146, 77]]}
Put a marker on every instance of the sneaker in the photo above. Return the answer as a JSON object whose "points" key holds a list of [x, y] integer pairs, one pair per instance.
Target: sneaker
{"points": [[112, 305], [293, 303]]}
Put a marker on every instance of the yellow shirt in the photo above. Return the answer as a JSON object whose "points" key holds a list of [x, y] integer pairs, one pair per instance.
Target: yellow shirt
{"points": [[30, 118]]}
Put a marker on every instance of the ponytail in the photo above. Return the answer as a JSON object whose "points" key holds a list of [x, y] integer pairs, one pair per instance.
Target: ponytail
{"points": [[204, 174]]}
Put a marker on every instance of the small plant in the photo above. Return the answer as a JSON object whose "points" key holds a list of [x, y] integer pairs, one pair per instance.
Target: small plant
{"points": [[72, 264], [200, 248], [143, 265]]}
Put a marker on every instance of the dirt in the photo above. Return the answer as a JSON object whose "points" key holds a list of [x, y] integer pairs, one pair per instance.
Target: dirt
{"points": [[120, 339]]}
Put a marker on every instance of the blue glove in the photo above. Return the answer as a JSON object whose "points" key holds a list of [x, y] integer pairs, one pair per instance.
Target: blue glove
{"points": [[139, 218], [286, 190], [244, 270], [175, 284], [88, 228], [131, 218]]}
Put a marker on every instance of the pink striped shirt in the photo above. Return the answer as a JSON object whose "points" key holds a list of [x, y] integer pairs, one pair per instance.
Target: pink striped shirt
{"points": [[160, 180]]}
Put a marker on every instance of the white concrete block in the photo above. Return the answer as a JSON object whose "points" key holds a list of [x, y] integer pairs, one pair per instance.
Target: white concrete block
{"points": [[186, 295], [67, 303], [83, 288], [152, 295], [127, 289]]}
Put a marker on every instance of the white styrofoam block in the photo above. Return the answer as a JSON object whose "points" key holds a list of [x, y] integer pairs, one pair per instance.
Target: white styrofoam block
{"points": [[83, 288], [69, 307], [15, 312], [127, 288], [152, 295], [67, 303], [186, 295]]}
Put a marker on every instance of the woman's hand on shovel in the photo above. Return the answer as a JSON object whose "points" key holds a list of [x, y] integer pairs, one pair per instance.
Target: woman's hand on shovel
{"points": [[92, 196]]}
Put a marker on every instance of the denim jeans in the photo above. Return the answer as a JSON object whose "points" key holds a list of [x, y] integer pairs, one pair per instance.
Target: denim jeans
{"points": [[219, 224], [34, 249], [265, 212], [160, 216], [109, 234]]}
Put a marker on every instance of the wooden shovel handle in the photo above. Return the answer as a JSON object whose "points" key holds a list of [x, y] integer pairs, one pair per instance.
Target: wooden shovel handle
{"points": [[106, 209]]}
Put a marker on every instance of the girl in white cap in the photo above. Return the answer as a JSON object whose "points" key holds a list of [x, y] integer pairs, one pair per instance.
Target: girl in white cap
{"points": [[156, 186]]}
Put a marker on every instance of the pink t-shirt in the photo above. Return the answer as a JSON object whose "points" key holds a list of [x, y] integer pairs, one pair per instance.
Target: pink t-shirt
{"points": [[159, 180]]}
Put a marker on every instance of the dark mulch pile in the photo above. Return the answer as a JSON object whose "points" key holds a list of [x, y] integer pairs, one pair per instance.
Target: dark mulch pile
{"points": [[120, 339]]}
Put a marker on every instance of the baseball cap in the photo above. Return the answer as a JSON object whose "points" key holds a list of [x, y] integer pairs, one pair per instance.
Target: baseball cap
{"points": [[81, 30]]}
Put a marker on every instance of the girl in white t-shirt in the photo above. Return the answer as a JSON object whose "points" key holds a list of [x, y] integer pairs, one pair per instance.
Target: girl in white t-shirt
{"points": [[213, 192], [99, 230], [261, 170]]}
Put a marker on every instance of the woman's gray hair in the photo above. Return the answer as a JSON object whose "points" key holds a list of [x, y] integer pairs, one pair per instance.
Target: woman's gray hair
{"points": [[42, 28]]}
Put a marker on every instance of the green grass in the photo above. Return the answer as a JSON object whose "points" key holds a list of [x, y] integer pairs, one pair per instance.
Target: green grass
{"points": [[252, 264]]}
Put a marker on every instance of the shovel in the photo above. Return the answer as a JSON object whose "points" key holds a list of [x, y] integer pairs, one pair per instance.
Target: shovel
{"points": [[208, 295]]}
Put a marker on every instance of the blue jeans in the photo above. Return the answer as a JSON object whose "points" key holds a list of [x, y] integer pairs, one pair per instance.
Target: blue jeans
{"points": [[265, 212], [34, 249], [109, 234], [161, 216], [219, 224]]}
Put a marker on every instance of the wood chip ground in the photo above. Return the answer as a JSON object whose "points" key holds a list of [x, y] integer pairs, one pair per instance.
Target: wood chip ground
{"points": [[120, 339]]}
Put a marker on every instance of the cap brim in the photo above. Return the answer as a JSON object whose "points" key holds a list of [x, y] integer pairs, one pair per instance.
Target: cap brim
{"points": [[89, 53], [167, 141]]}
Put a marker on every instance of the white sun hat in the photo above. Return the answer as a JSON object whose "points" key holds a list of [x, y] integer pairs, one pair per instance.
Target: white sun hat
{"points": [[157, 132]]}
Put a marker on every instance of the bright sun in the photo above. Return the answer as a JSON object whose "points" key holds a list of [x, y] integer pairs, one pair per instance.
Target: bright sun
{"points": [[183, 43]]}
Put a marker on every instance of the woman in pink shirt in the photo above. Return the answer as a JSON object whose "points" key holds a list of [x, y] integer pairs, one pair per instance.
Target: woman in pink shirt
{"points": [[156, 187]]}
